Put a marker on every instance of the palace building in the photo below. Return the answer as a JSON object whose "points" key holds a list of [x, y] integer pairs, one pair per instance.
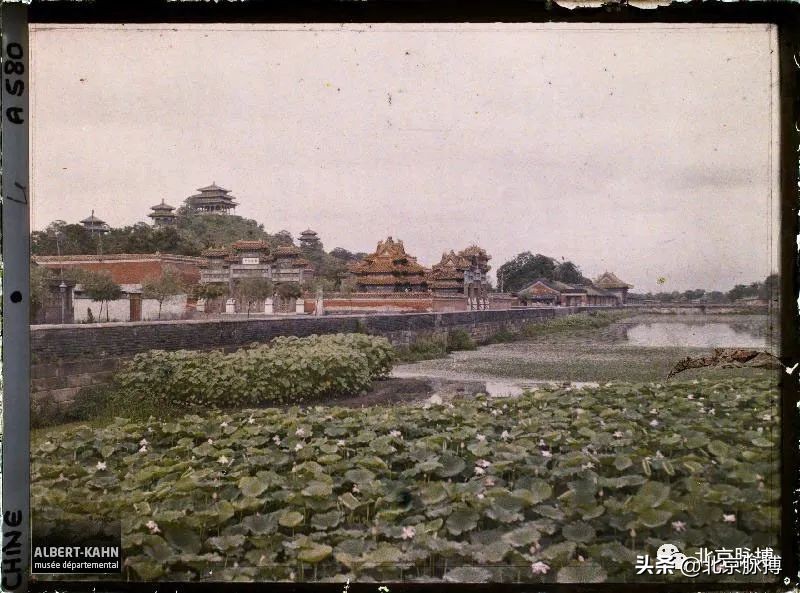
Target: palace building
{"points": [[462, 273], [248, 259], [212, 200], [310, 240], [610, 282], [94, 225], [163, 215], [389, 269], [552, 292]]}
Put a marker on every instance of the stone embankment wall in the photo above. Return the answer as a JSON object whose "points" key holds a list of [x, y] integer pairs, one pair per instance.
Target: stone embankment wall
{"points": [[67, 358]]}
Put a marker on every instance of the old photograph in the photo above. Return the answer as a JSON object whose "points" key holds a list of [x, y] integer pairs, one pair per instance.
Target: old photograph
{"points": [[459, 303]]}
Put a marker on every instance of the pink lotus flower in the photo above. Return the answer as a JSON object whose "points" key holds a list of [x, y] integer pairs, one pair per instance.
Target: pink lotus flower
{"points": [[679, 526], [729, 518], [408, 532], [539, 568], [152, 526]]}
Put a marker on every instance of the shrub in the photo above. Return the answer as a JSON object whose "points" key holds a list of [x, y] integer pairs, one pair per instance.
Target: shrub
{"points": [[288, 370], [460, 339], [423, 349], [502, 336]]}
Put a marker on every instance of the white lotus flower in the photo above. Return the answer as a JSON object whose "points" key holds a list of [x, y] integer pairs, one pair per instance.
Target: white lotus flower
{"points": [[340, 443], [496, 412], [760, 429], [356, 490], [223, 460], [479, 470], [659, 455], [542, 443], [546, 453], [539, 568], [690, 396], [101, 465], [152, 526], [653, 411], [679, 526], [483, 463], [408, 532], [619, 434], [712, 411], [251, 420], [587, 465], [729, 518], [143, 449], [143, 442], [298, 446], [224, 425], [505, 436], [654, 423], [299, 432], [214, 496], [480, 495], [766, 417], [210, 441], [276, 439], [150, 429], [481, 438], [396, 434]]}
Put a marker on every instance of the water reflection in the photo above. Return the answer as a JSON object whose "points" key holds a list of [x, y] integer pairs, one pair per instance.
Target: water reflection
{"points": [[696, 335]]}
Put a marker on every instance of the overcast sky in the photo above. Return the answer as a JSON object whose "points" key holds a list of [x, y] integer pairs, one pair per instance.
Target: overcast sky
{"points": [[648, 151]]}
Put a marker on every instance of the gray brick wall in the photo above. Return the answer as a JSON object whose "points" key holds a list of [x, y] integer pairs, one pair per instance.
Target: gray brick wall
{"points": [[67, 358]]}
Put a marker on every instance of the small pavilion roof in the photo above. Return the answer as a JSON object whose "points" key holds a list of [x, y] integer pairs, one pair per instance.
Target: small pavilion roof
{"points": [[610, 280], [162, 206], [92, 219]]}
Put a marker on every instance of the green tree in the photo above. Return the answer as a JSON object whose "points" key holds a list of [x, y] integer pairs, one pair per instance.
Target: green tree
{"points": [[524, 269], [289, 290], [165, 286], [67, 239], [41, 281], [209, 291], [568, 272], [100, 287], [254, 289], [770, 288]]}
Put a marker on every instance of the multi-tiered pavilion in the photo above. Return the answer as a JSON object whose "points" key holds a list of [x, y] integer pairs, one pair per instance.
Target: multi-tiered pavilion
{"points": [[212, 199]]}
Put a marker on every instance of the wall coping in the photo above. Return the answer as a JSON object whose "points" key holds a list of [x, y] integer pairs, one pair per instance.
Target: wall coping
{"points": [[173, 322]]}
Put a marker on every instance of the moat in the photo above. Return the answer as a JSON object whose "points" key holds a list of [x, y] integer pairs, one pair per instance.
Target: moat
{"points": [[638, 348]]}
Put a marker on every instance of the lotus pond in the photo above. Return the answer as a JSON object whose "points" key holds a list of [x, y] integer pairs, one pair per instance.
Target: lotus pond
{"points": [[554, 485]]}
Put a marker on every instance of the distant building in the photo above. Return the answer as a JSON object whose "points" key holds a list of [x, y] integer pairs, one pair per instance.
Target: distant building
{"points": [[129, 271], [163, 215], [94, 225], [310, 240], [552, 292], [212, 199], [610, 282], [389, 269], [462, 273], [255, 259]]}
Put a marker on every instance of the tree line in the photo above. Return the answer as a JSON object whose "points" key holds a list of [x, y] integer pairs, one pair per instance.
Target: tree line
{"points": [[766, 290], [192, 234]]}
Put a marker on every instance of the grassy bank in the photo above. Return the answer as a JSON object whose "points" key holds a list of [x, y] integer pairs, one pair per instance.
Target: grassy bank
{"points": [[556, 485], [458, 340], [583, 348]]}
